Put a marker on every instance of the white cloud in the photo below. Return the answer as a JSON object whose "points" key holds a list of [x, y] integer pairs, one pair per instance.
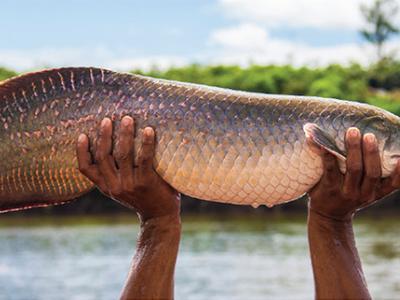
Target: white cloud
{"points": [[146, 63], [339, 14], [24, 60], [247, 42], [246, 36]]}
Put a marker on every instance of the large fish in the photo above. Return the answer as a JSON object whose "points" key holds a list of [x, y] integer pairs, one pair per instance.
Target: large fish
{"points": [[212, 144]]}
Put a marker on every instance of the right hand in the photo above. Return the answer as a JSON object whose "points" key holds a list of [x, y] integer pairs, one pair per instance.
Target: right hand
{"points": [[113, 171], [339, 196]]}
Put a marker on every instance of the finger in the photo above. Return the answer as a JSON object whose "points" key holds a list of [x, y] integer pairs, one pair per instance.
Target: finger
{"points": [[104, 159], [372, 167], [354, 163], [146, 152], [124, 148], [85, 165]]}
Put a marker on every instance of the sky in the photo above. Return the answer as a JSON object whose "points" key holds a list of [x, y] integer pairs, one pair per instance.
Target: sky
{"points": [[128, 34]]}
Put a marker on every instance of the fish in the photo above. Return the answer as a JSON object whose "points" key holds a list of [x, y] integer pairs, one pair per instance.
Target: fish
{"points": [[211, 143]]}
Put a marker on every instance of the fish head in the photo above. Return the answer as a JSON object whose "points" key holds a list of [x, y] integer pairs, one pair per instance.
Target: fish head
{"points": [[386, 128], [390, 154]]}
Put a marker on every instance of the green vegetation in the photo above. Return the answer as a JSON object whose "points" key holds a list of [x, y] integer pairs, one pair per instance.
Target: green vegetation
{"points": [[6, 73]]}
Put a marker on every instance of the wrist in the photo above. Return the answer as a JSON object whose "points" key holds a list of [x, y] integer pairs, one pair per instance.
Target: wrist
{"points": [[324, 210], [171, 221], [329, 219], [160, 230]]}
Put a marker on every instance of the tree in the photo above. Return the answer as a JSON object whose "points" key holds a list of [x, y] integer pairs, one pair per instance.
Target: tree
{"points": [[379, 17]]}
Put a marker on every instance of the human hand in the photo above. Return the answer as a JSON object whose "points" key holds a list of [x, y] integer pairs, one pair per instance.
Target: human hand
{"points": [[339, 196], [113, 171]]}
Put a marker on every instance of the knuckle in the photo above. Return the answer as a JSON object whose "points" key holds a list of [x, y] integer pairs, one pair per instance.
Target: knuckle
{"points": [[101, 136], [116, 191], [127, 186], [126, 132], [122, 156], [374, 154], [354, 167], [145, 158], [373, 175], [100, 156], [331, 192], [351, 194], [148, 143], [142, 187], [353, 145]]}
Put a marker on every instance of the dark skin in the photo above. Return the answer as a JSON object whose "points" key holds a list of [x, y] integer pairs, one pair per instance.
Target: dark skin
{"points": [[333, 203], [140, 188]]}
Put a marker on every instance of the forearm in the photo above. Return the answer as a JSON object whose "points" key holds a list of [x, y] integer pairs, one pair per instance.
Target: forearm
{"points": [[152, 272], [337, 268]]}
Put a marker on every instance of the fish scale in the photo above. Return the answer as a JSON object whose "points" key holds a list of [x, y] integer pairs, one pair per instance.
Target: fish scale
{"points": [[212, 144]]}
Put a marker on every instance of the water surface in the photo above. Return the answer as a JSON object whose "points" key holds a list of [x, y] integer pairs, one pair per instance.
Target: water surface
{"points": [[234, 258]]}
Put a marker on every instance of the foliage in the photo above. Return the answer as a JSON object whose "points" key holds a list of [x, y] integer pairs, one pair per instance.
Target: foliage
{"points": [[385, 75], [6, 73]]}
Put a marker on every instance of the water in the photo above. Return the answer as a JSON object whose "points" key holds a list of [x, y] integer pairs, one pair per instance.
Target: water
{"points": [[242, 258]]}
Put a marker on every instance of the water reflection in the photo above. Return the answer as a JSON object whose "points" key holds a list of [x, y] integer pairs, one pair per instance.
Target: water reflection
{"points": [[231, 259]]}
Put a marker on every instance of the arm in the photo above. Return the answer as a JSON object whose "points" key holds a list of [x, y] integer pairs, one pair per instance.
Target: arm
{"points": [[333, 202], [152, 271], [142, 189]]}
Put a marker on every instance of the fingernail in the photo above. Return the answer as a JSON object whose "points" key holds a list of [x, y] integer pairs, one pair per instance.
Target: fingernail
{"points": [[148, 132], [127, 121], [353, 132], [105, 122], [81, 138], [370, 138]]}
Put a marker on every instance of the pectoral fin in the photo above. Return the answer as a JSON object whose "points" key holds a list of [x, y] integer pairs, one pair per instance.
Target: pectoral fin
{"points": [[324, 140]]}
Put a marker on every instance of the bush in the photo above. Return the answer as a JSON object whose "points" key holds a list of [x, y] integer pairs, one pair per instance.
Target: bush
{"points": [[385, 75], [6, 73]]}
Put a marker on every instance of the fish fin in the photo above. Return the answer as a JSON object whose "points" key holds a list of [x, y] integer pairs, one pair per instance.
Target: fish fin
{"points": [[323, 139], [372, 124], [42, 82]]}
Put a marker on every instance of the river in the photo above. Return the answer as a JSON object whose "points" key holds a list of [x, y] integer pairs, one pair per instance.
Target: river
{"points": [[220, 258]]}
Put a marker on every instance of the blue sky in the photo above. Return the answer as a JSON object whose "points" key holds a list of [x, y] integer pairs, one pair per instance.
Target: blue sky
{"points": [[124, 34]]}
